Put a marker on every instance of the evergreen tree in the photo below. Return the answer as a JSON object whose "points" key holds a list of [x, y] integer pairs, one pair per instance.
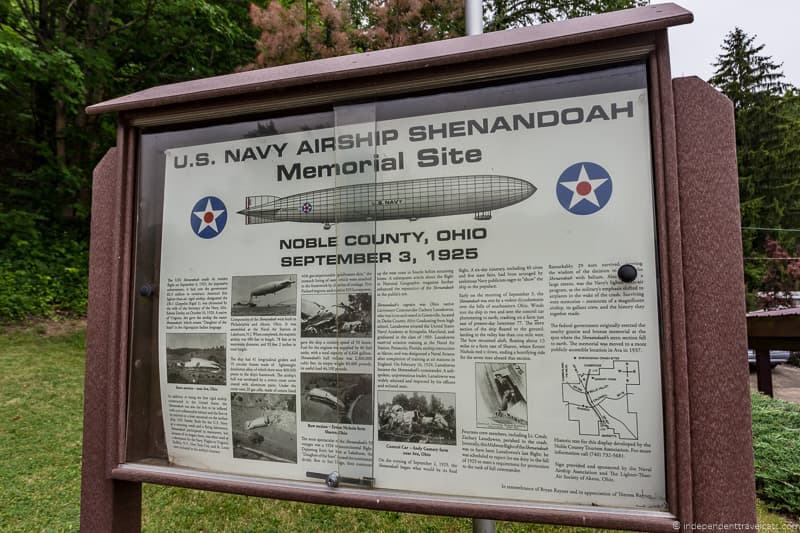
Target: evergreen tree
{"points": [[768, 151], [743, 73]]}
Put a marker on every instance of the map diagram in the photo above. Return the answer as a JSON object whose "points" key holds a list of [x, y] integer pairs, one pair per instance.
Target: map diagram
{"points": [[598, 397]]}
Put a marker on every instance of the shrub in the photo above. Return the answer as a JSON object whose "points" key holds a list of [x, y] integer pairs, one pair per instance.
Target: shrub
{"points": [[43, 278], [776, 444]]}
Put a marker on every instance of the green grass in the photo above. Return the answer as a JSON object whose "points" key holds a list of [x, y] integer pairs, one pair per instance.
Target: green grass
{"points": [[41, 390], [769, 521], [40, 448], [776, 441]]}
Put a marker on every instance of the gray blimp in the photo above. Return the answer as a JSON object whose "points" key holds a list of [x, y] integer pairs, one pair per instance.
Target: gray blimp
{"points": [[393, 200], [269, 288]]}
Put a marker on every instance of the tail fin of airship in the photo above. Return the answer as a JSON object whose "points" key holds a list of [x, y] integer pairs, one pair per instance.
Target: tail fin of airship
{"points": [[259, 209]]}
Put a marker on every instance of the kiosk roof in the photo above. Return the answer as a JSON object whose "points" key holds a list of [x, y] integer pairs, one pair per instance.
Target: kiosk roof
{"points": [[448, 52]]}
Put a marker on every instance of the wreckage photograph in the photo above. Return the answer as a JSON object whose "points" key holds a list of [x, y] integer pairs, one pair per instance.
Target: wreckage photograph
{"points": [[196, 358], [422, 417], [336, 398], [336, 315], [501, 396], [264, 426]]}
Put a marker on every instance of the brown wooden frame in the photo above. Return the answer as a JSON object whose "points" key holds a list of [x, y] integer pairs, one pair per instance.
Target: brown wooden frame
{"points": [[706, 480]]}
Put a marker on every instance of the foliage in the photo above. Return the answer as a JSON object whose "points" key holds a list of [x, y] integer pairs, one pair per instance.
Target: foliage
{"points": [[743, 73], [293, 31], [768, 151], [776, 425], [436, 404], [503, 14], [297, 31], [42, 277], [58, 56], [781, 276]]}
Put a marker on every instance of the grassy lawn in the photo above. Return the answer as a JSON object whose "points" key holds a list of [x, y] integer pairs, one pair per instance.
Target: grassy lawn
{"points": [[41, 386]]}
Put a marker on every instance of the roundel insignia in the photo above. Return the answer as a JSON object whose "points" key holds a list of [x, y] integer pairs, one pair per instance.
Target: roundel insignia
{"points": [[208, 217], [584, 188], [306, 207]]}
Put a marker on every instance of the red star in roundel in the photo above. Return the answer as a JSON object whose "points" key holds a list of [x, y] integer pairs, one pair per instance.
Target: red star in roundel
{"points": [[208, 217], [584, 188]]}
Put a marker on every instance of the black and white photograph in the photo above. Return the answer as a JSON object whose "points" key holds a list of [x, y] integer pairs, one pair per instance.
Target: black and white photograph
{"points": [[424, 417], [501, 396], [336, 398], [336, 315], [264, 426], [264, 295], [196, 358]]}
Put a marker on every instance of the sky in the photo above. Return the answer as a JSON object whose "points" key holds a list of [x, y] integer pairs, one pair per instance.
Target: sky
{"points": [[694, 47], [195, 340]]}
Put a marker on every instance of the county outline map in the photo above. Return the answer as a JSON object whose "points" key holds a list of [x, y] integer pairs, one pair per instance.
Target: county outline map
{"points": [[599, 398]]}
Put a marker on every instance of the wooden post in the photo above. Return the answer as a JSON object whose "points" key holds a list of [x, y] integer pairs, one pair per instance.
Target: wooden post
{"points": [[764, 370], [106, 504]]}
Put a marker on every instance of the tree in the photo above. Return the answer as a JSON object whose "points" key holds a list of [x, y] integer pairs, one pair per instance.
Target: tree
{"points": [[293, 31], [316, 29], [503, 14], [58, 56], [361, 302], [418, 402], [768, 151], [782, 275], [743, 73], [436, 405], [402, 400]]}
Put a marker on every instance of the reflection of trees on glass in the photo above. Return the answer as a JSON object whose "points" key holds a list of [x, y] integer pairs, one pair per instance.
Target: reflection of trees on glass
{"points": [[289, 124], [262, 130]]}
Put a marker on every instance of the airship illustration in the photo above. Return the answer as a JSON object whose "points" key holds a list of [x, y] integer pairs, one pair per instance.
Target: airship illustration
{"points": [[393, 200], [269, 288]]}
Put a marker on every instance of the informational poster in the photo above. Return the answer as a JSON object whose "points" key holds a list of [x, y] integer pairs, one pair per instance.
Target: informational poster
{"points": [[428, 303]]}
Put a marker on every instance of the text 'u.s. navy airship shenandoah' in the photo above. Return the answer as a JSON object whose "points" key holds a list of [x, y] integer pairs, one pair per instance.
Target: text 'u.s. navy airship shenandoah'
{"points": [[412, 199]]}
